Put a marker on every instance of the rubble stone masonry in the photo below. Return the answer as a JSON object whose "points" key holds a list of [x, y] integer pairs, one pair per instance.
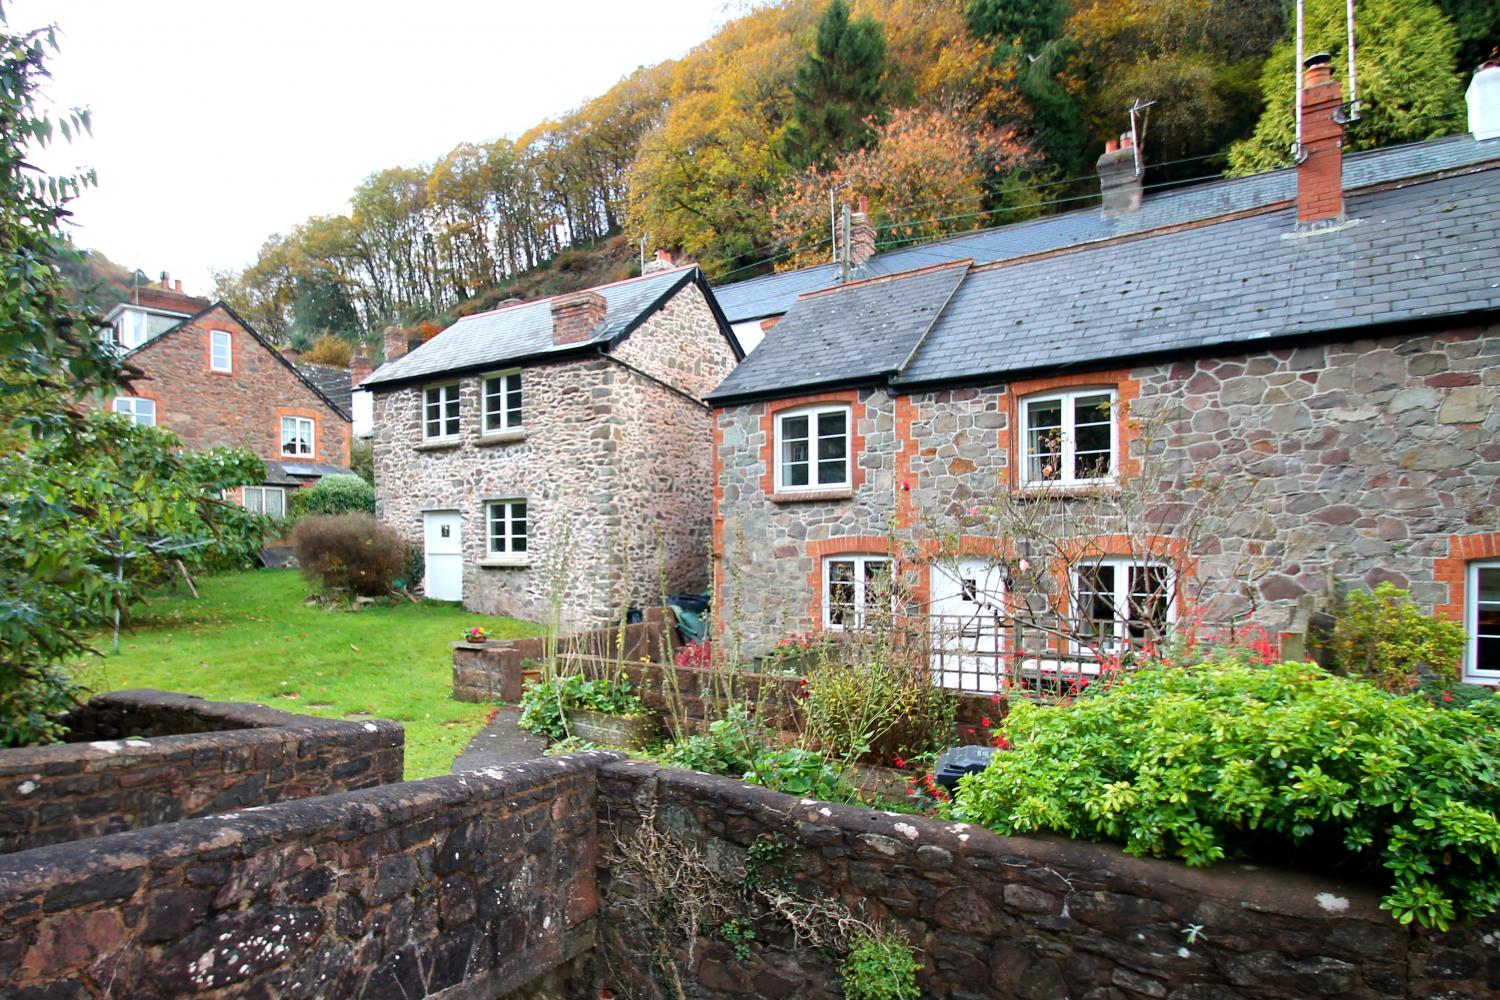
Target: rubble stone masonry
{"points": [[613, 463], [1371, 460]]}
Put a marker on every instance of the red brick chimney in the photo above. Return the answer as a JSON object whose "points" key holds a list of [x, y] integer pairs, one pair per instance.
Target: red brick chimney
{"points": [[359, 369], [861, 234], [662, 262], [1320, 173], [575, 317], [1120, 187]]}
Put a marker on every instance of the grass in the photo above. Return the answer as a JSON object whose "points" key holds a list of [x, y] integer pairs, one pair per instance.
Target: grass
{"points": [[251, 637]]}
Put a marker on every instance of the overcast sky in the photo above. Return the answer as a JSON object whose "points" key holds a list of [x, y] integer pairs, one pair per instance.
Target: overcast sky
{"points": [[219, 123]]}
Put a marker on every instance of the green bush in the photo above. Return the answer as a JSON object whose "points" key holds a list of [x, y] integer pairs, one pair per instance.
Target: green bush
{"points": [[349, 553], [880, 966], [1289, 763], [728, 748], [545, 704], [335, 495], [796, 771], [1384, 638], [874, 697]]}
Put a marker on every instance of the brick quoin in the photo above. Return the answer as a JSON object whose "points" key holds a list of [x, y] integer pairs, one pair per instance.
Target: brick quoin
{"points": [[1453, 569], [244, 406]]}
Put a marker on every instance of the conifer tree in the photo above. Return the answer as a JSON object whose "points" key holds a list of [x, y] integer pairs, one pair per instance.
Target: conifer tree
{"points": [[1406, 51], [839, 90]]}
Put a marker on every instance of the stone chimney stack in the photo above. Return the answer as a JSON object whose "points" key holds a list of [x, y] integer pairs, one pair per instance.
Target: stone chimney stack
{"points": [[1119, 184], [1320, 172], [395, 342], [359, 369], [861, 234], [575, 317], [661, 262]]}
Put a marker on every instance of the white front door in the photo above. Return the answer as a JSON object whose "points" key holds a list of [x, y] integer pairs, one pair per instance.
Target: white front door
{"points": [[968, 624], [442, 532]]}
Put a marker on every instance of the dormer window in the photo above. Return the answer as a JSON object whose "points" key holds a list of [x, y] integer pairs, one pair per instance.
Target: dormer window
{"points": [[812, 449]]}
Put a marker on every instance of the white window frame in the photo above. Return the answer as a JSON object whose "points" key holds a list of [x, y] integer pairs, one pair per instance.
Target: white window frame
{"points": [[447, 393], [1124, 570], [813, 415], [1473, 674], [509, 536], [861, 595], [510, 397], [261, 494], [140, 410], [214, 343], [1067, 452], [312, 436]]}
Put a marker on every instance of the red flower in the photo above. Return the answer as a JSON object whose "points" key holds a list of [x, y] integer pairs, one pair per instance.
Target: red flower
{"points": [[985, 721], [898, 762], [1447, 695]]}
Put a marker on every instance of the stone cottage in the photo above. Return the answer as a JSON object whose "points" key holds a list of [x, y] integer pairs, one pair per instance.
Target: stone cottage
{"points": [[1336, 354], [555, 453], [212, 380]]}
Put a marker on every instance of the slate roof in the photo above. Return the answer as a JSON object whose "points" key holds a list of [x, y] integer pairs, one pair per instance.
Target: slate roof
{"points": [[866, 329], [774, 294], [335, 383], [1418, 252], [524, 331]]}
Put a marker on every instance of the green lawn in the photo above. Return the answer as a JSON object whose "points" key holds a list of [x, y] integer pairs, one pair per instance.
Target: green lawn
{"points": [[250, 637]]}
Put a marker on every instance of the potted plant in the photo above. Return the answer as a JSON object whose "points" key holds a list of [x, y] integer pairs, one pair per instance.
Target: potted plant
{"points": [[477, 634]]}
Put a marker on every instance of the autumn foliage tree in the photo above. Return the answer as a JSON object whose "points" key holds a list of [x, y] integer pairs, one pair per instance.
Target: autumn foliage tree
{"points": [[922, 173]]}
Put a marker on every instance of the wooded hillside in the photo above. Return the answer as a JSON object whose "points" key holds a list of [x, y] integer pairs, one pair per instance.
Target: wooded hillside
{"points": [[947, 114]]}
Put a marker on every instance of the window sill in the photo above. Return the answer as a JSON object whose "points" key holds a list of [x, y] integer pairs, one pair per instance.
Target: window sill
{"points": [[812, 496], [505, 562], [440, 445], [1041, 491], [499, 437], [299, 458]]}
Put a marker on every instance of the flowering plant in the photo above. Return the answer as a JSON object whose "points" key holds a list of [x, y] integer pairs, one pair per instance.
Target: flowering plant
{"points": [[695, 654], [476, 633]]}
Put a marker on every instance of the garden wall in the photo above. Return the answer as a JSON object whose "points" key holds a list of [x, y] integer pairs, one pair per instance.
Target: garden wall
{"points": [[491, 671], [142, 758], [473, 884], [1006, 917]]}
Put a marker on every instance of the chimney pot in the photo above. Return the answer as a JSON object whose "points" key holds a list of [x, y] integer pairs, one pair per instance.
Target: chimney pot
{"points": [[177, 285], [166, 283], [1110, 145], [575, 317], [1320, 174]]}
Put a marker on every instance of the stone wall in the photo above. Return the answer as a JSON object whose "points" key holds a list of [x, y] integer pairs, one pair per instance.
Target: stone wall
{"points": [[241, 407], [474, 884], [492, 671], [1032, 918], [613, 464], [142, 758], [1371, 460]]}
